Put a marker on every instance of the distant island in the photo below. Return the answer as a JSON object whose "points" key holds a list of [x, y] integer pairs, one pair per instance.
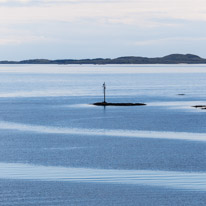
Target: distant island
{"points": [[169, 59]]}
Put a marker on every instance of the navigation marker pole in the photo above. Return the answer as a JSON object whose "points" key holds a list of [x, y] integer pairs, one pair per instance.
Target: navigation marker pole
{"points": [[104, 89]]}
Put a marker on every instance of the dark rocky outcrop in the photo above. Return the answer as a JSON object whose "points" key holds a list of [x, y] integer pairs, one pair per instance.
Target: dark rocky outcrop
{"points": [[200, 106], [118, 104]]}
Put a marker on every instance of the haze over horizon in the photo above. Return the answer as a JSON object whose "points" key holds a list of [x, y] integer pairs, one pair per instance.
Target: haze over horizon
{"points": [[77, 29]]}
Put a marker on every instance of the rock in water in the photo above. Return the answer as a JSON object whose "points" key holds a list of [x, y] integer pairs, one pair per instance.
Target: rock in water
{"points": [[118, 104]]}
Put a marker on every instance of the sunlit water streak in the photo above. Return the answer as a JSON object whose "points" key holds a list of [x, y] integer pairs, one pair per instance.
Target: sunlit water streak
{"points": [[103, 69], [180, 105], [48, 93], [103, 132], [179, 180], [177, 103]]}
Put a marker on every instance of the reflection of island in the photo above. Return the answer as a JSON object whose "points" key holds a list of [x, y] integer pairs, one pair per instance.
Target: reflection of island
{"points": [[200, 106], [118, 104], [104, 103]]}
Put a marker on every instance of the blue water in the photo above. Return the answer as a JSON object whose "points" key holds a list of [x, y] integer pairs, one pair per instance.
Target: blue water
{"points": [[58, 149]]}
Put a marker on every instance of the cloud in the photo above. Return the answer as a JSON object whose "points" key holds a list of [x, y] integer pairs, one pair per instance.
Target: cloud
{"points": [[13, 36], [139, 12], [16, 40], [101, 25], [168, 40]]}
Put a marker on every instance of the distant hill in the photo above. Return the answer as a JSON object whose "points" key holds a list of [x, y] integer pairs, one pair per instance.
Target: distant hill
{"points": [[170, 59]]}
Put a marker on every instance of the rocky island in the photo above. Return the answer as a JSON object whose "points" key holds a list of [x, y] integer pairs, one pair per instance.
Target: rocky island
{"points": [[200, 106], [118, 104], [104, 103], [169, 59]]}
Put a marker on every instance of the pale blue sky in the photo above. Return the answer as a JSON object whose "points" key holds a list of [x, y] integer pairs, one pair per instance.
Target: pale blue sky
{"points": [[101, 28]]}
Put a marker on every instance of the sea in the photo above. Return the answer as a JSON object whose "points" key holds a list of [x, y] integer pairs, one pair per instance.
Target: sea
{"points": [[58, 149]]}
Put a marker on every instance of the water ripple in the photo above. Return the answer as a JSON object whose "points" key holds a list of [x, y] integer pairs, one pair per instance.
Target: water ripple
{"points": [[178, 180]]}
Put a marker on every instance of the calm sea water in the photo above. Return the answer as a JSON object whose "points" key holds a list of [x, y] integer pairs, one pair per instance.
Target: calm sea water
{"points": [[58, 149]]}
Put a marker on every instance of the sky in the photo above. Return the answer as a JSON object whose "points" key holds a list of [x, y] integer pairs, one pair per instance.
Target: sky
{"points": [[76, 29]]}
